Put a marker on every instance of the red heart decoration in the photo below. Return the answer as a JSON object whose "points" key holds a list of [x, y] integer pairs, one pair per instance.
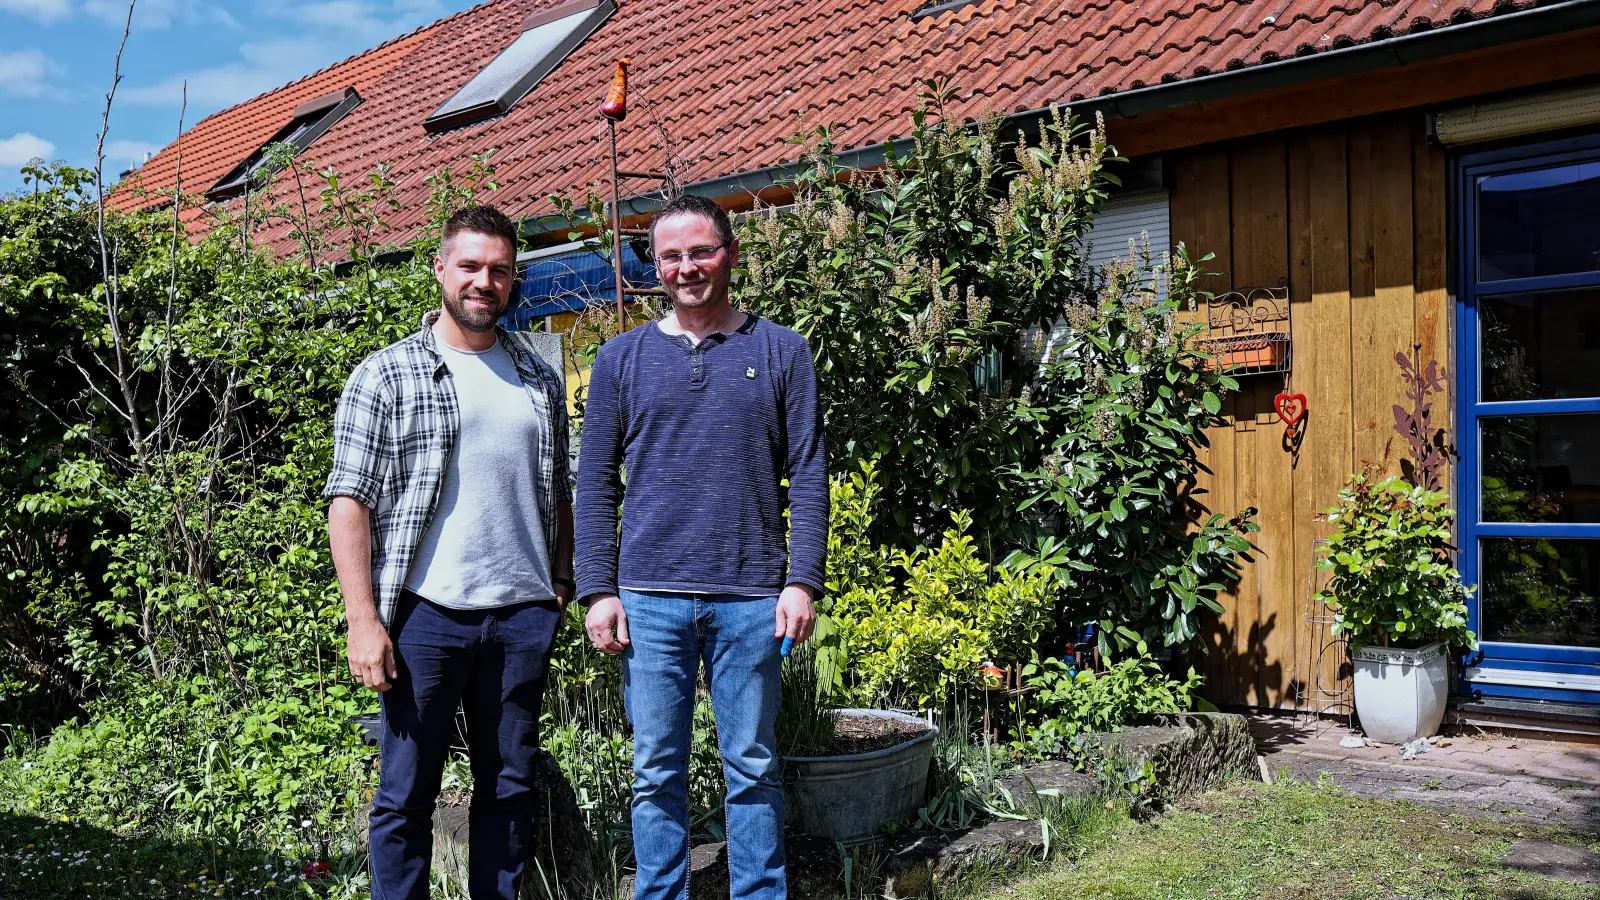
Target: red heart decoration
{"points": [[1291, 407]]}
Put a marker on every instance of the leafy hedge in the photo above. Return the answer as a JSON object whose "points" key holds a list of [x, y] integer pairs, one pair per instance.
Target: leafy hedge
{"points": [[173, 435], [928, 289]]}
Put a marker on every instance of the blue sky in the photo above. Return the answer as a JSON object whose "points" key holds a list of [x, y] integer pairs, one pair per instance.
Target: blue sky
{"points": [[56, 63]]}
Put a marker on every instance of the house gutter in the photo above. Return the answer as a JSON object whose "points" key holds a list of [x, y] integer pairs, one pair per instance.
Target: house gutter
{"points": [[1401, 50]]}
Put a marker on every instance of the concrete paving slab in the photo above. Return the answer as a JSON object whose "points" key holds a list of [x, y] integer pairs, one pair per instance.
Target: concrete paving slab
{"points": [[1538, 781], [1552, 860]]}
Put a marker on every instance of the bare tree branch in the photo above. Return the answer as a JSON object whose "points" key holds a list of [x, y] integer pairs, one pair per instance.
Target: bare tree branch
{"points": [[107, 270], [164, 396], [99, 442], [89, 380]]}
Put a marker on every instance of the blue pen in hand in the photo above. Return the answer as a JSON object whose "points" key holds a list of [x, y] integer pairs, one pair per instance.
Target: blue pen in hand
{"points": [[788, 646]]}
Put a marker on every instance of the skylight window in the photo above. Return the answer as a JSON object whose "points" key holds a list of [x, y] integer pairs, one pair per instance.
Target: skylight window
{"points": [[310, 121], [547, 38], [935, 7]]}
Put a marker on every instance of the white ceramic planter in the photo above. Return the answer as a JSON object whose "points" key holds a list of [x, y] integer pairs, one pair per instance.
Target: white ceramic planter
{"points": [[1401, 694]]}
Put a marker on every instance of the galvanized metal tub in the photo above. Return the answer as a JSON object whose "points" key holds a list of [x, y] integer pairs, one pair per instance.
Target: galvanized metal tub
{"points": [[850, 798]]}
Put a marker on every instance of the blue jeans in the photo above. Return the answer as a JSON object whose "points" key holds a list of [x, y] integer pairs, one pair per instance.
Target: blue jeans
{"points": [[671, 635], [492, 664]]}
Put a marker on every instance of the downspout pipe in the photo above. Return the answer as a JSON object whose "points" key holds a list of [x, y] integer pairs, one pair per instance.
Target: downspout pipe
{"points": [[1401, 50]]}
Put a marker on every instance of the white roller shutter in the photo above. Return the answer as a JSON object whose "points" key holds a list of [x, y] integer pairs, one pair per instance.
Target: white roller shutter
{"points": [[1515, 116], [1127, 219], [1120, 220]]}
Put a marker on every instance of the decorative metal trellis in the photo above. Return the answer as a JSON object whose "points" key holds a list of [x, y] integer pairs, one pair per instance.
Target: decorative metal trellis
{"points": [[1322, 683], [1248, 330]]}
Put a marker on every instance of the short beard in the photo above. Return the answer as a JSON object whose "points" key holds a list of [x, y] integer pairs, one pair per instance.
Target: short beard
{"points": [[470, 319], [719, 291]]}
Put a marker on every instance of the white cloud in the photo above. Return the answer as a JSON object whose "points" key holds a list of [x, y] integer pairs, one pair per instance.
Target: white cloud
{"points": [[21, 148], [38, 10], [320, 34], [159, 14], [367, 23], [26, 73], [351, 18], [261, 67], [125, 154]]}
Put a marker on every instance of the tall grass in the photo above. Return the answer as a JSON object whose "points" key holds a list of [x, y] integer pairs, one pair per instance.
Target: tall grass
{"points": [[806, 723]]}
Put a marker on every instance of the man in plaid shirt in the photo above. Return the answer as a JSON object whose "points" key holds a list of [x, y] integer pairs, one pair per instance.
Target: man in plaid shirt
{"points": [[451, 529]]}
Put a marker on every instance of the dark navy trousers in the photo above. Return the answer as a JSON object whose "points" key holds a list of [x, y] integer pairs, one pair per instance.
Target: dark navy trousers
{"points": [[492, 665]]}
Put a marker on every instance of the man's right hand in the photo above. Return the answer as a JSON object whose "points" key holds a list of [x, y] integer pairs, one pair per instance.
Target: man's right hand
{"points": [[607, 623], [371, 655]]}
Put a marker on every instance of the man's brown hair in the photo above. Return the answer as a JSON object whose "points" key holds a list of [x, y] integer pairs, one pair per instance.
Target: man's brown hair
{"points": [[478, 220], [694, 204]]}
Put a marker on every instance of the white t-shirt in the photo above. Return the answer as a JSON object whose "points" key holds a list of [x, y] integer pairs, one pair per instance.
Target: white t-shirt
{"points": [[485, 547]]}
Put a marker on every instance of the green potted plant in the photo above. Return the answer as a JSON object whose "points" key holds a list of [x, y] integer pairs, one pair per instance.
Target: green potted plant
{"points": [[1398, 599], [847, 772]]}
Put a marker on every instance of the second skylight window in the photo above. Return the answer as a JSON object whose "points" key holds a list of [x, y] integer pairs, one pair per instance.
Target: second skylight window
{"points": [[547, 38]]}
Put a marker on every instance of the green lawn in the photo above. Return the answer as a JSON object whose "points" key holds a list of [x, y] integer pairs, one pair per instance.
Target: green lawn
{"points": [[1290, 840], [1298, 840], [48, 860]]}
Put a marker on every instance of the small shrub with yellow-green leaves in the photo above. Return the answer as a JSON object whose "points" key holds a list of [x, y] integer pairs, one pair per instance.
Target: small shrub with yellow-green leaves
{"points": [[913, 627]]}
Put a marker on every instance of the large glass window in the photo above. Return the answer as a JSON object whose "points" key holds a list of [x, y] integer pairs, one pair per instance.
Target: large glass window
{"points": [[1541, 591], [1529, 363], [1539, 222]]}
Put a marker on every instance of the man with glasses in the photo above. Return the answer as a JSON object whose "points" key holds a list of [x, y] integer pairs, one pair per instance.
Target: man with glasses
{"points": [[713, 414]]}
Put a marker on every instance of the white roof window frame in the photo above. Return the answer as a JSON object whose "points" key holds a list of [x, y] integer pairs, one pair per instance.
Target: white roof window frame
{"points": [[547, 39], [309, 121]]}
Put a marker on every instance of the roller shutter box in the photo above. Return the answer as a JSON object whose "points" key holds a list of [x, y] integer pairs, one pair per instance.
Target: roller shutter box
{"points": [[1493, 120]]}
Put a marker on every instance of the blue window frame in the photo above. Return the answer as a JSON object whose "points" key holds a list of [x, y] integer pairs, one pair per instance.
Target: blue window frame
{"points": [[1528, 273]]}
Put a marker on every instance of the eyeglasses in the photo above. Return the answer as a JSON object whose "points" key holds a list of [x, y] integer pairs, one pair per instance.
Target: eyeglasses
{"points": [[698, 255]]}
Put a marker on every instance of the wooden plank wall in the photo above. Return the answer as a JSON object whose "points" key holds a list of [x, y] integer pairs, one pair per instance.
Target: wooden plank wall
{"points": [[1353, 215]]}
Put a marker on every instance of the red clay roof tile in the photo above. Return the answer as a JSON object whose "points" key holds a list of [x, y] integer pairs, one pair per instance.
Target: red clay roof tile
{"points": [[731, 81]]}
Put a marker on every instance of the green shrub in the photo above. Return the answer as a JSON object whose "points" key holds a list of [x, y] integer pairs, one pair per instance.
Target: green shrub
{"points": [[913, 627], [183, 595], [1392, 580], [1124, 404], [918, 285], [197, 764], [925, 288], [1059, 704]]}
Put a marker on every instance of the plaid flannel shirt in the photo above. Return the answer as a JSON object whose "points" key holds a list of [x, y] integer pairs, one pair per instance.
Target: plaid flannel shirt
{"points": [[393, 433]]}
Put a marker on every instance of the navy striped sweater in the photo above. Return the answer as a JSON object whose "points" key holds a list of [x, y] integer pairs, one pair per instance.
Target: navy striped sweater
{"points": [[706, 435]]}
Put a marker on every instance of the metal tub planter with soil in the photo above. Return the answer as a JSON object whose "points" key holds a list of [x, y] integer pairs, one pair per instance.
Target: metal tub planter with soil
{"points": [[879, 776]]}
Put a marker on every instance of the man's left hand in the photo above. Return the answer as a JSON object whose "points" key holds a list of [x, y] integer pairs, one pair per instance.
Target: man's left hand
{"points": [[797, 615]]}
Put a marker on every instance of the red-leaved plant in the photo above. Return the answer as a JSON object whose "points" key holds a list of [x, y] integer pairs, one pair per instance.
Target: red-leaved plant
{"points": [[1430, 447]]}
